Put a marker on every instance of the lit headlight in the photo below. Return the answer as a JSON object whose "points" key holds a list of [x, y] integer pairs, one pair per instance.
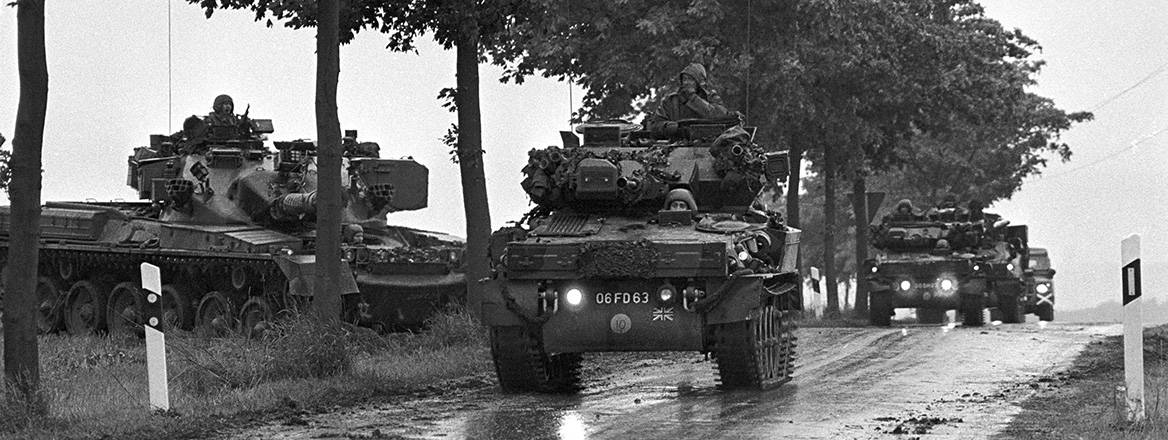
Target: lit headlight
{"points": [[574, 296], [947, 285], [976, 268], [1009, 266], [743, 256], [666, 293], [905, 284], [1042, 288], [874, 269]]}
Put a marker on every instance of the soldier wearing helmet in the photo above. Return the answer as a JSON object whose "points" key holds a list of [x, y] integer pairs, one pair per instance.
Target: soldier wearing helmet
{"points": [[222, 112], [694, 99], [947, 210], [904, 212]]}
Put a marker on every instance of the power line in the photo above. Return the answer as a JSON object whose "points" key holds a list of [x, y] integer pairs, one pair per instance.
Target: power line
{"points": [[1131, 146], [1157, 71]]}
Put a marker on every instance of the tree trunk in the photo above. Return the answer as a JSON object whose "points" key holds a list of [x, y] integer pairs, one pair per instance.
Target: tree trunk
{"points": [[326, 298], [795, 154], [21, 363], [829, 272], [470, 158], [860, 209]]}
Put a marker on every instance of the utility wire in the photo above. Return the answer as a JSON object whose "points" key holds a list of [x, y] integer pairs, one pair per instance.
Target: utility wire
{"points": [[1158, 70], [1163, 68], [1131, 146]]}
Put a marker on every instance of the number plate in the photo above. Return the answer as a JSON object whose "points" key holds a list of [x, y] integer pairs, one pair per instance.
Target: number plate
{"points": [[622, 298]]}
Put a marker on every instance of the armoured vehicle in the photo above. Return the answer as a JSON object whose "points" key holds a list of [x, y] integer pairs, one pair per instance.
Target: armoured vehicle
{"points": [[230, 223], [945, 262], [640, 242], [1038, 296]]}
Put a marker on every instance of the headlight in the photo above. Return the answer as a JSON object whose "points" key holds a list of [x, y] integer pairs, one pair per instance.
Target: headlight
{"points": [[1009, 266], [350, 255], [874, 269], [905, 284], [948, 284], [574, 296], [666, 293], [1042, 288], [976, 268], [743, 256]]}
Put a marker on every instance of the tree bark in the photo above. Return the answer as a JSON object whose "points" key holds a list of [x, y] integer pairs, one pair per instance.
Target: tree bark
{"points": [[795, 154], [326, 296], [470, 158], [829, 272], [21, 359], [860, 209]]}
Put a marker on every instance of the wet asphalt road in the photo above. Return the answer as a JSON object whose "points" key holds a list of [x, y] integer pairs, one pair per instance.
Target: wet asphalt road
{"points": [[851, 383]]}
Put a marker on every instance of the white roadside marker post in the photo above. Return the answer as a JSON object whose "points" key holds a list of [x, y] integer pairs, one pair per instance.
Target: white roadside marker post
{"points": [[155, 340], [1133, 329]]}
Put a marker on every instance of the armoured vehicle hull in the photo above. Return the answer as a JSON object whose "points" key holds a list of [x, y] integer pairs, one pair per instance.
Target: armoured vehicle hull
{"points": [[230, 224], [941, 265], [1038, 295], [633, 249]]}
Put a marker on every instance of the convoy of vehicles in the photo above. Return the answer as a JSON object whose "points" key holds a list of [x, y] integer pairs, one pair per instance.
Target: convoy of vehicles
{"points": [[940, 262]]}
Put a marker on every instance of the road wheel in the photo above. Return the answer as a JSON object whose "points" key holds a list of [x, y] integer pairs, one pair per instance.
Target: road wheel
{"points": [[522, 364], [757, 353], [1008, 305], [1046, 312], [177, 312], [85, 308], [929, 315], [255, 317], [880, 309], [973, 311], [49, 303], [216, 314], [124, 314]]}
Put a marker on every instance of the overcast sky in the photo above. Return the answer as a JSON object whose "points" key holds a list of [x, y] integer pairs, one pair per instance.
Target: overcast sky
{"points": [[111, 85]]}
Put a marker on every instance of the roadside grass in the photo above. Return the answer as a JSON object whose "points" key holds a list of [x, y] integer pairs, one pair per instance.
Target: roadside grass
{"points": [[1085, 402], [96, 388]]}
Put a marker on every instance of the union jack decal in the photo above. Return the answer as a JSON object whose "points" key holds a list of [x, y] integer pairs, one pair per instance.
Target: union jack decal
{"points": [[663, 313]]}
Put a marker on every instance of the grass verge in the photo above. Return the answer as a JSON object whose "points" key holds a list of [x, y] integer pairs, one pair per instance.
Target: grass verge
{"points": [[96, 387], [1082, 403]]}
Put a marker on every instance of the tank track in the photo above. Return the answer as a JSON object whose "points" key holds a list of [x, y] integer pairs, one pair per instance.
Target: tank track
{"points": [[755, 354], [521, 363], [63, 266]]}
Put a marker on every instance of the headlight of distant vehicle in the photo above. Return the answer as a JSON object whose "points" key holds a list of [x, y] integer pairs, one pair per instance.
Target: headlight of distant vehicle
{"points": [[947, 285], [574, 296], [1042, 288], [905, 284]]}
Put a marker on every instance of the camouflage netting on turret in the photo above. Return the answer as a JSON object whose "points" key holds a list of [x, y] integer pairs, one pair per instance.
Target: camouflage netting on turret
{"points": [[621, 259]]}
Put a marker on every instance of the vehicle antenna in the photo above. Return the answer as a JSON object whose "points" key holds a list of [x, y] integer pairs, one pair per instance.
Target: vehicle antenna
{"points": [[749, 14], [169, 86]]}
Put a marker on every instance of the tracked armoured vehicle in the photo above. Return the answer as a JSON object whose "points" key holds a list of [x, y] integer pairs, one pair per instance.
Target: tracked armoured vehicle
{"points": [[640, 243], [945, 262], [231, 224]]}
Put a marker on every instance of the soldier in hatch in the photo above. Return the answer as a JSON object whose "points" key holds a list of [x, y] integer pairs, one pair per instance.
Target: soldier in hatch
{"points": [[904, 212], [947, 210], [694, 99], [223, 112]]}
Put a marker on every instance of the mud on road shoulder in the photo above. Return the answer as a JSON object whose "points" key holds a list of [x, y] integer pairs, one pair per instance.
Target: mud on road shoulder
{"points": [[1082, 401]]}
